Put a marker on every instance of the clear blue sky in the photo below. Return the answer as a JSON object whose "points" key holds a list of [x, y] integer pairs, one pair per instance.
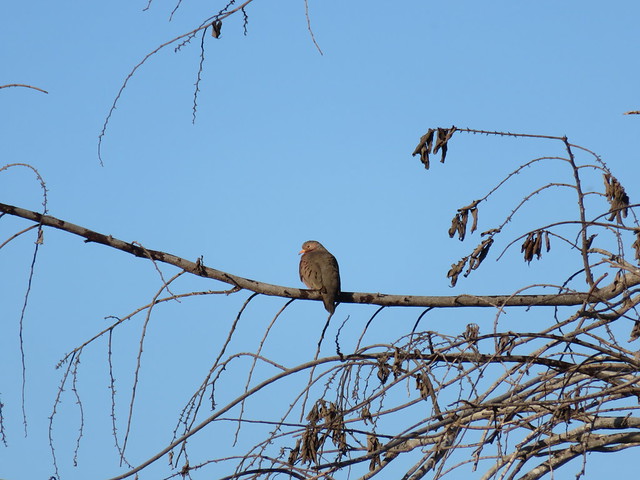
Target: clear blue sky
{"points": [[288, 145]]}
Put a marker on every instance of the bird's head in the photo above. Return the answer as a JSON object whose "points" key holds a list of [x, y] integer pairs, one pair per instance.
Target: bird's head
{"points": [[310, 246]]}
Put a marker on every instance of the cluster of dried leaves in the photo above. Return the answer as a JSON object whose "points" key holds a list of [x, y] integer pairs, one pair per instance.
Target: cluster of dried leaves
{"points": [[504, 410], [534, 240], [459, 221], [459, 225], [471, 261], [326, 420], [532, 245], [504, 400], [426, 143], [617, 197]]}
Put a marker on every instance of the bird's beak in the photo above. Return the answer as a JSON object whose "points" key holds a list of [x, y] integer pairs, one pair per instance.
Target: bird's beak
{"points": [[301, 252]]}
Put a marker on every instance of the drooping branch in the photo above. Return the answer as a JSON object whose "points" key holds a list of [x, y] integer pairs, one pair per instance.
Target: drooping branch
{"points": [[184, 38], [465, 300], [24, 86], [466, 412]]}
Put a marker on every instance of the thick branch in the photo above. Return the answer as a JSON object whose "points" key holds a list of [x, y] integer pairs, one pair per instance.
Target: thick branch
{"points": [[196, 268]]}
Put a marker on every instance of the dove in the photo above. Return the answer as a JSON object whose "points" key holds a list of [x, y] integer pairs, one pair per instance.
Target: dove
{"points": [[319, 271]]}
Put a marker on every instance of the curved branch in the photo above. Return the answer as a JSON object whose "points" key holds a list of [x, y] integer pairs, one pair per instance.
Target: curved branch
{"points": [[23, 85], [203, 26], [463, 300]]}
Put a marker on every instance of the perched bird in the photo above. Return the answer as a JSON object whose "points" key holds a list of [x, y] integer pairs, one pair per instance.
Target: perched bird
{"points": [[319, 271]]}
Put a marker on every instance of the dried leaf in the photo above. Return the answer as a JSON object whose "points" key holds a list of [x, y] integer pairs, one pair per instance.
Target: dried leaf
{"points": [[505, 344], [547, 242], [636, 245], [294, 454], [424, 386], [310, 445], [533, 245], [383, 370], [474, 215], [455, 221], [635, 331], [399, 357], [373, 444], [460, 220], [537, 245], [456, 270], [424, 147], [527, 248], [471, 333], [366, 414], [334, 422], [479, 254], [462, 227], [216, 28], [617, 198], [444, 135], [314, 414], [464, 218]]}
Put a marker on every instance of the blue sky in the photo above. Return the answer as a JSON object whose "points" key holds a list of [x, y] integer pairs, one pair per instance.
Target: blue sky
{"points": [[288, 145]]}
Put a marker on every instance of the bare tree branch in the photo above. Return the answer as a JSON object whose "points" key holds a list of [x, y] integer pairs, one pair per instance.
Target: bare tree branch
{"points": [[556, 299]]}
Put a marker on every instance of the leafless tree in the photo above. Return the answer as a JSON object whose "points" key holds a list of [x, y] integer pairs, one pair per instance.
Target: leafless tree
{"points": [[505, 403], [502, 402]]}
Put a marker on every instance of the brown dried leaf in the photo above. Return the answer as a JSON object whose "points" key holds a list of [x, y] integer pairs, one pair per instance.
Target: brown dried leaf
{"points": [[474, 215], [527, 248], [444, 135], [617, 198], [456, 270], [373, 444], [533, 245], [505, 344], [294, 454], [537, 245], [334, 422], [424, 386], [216, 28], [454, 226], [314, 414], [310, 445], [383, 370], [635, 331], [366, 414], [460, 220], [636, 245], [479, 254], [471, 333], [424, 147], [547, 243], [399, 357], [462, 228]]}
